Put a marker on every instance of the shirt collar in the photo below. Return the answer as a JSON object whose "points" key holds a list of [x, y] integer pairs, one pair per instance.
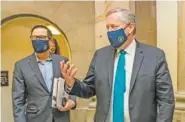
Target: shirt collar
{"points": [[130, 48], [39, 61]]}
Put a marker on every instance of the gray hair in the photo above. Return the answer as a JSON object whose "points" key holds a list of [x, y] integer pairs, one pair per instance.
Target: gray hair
{"points": [[125, 15]]}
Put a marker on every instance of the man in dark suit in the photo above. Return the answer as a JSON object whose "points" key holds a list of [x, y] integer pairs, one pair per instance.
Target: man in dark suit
{"points": [[131, 80], [32, 83]]}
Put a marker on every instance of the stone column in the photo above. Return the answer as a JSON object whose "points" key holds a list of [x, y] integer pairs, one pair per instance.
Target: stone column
{"points": [[167, 34], [180, 96], [181, 47], [145, 12], [171, 38]]}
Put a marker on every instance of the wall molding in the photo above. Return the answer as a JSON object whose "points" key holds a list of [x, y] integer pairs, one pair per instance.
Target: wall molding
{"points": [[180, 101], [181, 49]]}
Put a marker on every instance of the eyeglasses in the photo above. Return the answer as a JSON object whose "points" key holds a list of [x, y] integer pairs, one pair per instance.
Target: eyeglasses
{"points": [[39, 37]]}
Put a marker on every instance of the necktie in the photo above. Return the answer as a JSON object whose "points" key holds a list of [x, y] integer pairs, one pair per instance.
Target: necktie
{"points": [[119, 89]]}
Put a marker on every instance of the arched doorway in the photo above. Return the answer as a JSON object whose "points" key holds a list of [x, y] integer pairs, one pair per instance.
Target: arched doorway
{"points": [[16, 44]]}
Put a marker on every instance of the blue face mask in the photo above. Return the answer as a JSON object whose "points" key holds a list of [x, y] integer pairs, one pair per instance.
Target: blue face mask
{"points": [[117, 38], [40, 46]]}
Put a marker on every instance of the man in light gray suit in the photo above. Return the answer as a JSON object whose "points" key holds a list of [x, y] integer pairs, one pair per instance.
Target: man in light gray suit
{"points": [[131, 80], [32, 83]]}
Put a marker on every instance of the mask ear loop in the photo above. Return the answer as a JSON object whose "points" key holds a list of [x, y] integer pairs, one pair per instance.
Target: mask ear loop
{"points": [[126, 27]]}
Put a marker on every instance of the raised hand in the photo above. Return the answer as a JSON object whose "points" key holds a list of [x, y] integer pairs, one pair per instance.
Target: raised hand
{"points": [[68, 71]]}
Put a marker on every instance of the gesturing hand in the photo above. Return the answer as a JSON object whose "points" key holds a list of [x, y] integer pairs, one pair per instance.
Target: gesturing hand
{"points": [[68, 71]]}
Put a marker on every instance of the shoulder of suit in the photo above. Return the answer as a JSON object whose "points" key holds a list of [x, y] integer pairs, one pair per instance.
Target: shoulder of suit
{"points": [[149, 49], [24, 60], [58, 57], [105, 49]]}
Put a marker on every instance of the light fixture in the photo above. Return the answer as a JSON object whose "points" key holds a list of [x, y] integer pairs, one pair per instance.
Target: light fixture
{"points": [[53, 30]]}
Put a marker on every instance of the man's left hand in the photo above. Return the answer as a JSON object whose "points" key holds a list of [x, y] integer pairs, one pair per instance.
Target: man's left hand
{"points": [[69, 104]]}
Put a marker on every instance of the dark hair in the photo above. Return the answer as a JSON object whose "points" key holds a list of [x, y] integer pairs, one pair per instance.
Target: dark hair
{"points": [[42, 26], [57, 49]]}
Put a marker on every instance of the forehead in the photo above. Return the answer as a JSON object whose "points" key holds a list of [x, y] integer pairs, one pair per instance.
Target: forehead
{"points": [[114, 18], [39, 31]]}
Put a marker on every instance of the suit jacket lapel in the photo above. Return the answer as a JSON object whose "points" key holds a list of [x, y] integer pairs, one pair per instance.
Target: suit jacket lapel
{"points": [[137, 63], [56, 69], [111, 55], [36, 70], [55, 66]]}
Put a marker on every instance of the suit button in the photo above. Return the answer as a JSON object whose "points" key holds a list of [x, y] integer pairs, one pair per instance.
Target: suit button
{"points": [[131, 106], [108, 102]]}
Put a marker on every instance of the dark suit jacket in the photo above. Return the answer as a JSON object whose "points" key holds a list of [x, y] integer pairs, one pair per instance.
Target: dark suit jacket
{"points": [[31, 98], [151, 96]]}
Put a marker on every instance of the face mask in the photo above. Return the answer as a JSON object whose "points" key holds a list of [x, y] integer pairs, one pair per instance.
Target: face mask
{"points": [[40, 46], [117, 38]]}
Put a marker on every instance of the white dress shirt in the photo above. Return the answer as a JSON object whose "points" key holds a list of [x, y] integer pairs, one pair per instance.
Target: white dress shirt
{"points": [[129, 60]]}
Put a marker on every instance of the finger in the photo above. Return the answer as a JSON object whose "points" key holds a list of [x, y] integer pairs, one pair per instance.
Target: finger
{"points": [[72, 104], [66, 107], [62, 67], [66, 66], [60, 108], [70, 69], [67, 99], [73, 73]]}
